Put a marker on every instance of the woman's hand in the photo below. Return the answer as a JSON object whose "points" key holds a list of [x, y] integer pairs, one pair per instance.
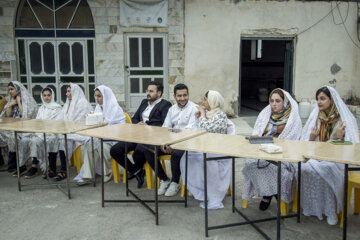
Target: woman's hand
{"points": [[197, 114], [202, 111], [12, 103], [315, 132], [18, 100], [340, 132]]}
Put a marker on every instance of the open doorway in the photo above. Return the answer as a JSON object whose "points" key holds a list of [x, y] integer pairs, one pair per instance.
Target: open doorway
{"points": [[265, 64]]}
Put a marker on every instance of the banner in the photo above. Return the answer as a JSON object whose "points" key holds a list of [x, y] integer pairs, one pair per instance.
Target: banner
{"points": [[147, 13]]}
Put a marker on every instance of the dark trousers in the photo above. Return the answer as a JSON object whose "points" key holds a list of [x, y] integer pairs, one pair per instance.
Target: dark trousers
{"points": [[175, 164], [118, 153], [62, 161]]}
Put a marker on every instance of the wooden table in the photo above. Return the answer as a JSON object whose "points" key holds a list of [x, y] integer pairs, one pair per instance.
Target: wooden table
{"points": [[140, 134], [45, 126], [346, 154], [238, 146]]}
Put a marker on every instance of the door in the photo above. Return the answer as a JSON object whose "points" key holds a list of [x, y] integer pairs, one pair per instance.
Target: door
{"points": [[55, 63], [146, 60]]}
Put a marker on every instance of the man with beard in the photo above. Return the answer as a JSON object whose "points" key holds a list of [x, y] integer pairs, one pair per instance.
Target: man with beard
{"points": [[180, 116], [152, 111]]}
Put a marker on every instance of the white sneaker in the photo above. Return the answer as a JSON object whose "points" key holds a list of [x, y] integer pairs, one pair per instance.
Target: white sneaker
{"points": [[163, 186], [173, 189], [332, 220], [107, 178]]}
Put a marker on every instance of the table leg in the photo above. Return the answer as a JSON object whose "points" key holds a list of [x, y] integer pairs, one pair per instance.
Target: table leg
{"points": [[17, 161], [278, 202], [156, 187], [345, 199], [298, 192], [102, 173], [67, 167], [186, 171], [205, 197], [93, 156], [46, 158], [126, 169], [233, 185]]}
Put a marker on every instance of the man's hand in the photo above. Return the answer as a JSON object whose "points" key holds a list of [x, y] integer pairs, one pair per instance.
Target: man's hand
{"points": [[142, 123]]}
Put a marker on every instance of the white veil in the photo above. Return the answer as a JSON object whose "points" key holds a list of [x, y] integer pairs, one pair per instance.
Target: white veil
{"points": [[78, 107]]}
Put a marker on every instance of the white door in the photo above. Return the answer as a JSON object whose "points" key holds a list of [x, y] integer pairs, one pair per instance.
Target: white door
{"points": [[56, 63], [146, 60]]}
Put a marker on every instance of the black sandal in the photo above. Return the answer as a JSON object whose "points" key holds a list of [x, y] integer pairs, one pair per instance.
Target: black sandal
{"points": [[50, 173], [60, 176]]}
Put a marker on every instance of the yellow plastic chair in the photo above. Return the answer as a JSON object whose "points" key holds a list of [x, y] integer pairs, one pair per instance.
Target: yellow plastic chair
{"points": [[114, 164], [353, 183], [76, 159]]}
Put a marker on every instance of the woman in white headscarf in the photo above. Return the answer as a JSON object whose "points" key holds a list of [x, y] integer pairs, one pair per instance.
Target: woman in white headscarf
{"points": [[212, 119], [33, 144], [20, 105], [113, 114], [75, 108], [279, 119], [322, 182]]}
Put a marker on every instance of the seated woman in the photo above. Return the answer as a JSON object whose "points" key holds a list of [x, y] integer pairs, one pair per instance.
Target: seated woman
{"points": [[213, 120], [279, 119], [113, 114], [75, 108], [20, 105], [322, 182], [33, 144]]}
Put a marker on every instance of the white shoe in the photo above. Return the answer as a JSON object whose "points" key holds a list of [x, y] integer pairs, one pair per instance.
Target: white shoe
{"points": [[173, 189], [82, 182], [332, 220], [107, 178], [163, 186]]}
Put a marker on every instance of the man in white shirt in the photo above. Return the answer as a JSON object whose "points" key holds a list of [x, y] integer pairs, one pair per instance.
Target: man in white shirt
{"points": [[180, 116]]}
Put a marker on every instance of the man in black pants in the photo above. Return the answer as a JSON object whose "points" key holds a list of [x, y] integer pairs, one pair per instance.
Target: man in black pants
{"points": [[180, 116], [152, 111]]}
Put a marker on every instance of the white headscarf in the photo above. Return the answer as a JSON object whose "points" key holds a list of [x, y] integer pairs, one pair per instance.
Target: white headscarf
{"points": [[79, 106], [51, 110], [28, 102], [331, 172], [110, 108], [292, 130], [216, 103], [348, 119]]}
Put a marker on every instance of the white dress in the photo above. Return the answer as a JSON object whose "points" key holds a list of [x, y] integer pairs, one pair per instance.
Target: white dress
{"points": [[113, 114], [33, 144], [322, 183], [218, 175], [29, 111], [74, 110], [263, 181]]}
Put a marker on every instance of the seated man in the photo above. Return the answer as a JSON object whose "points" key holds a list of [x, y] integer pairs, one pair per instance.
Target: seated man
{"points": [[180, 116], [152, 111]]}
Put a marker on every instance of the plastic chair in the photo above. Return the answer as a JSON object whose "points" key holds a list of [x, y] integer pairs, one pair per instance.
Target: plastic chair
{"points": [[353, 183], [76, 159]]}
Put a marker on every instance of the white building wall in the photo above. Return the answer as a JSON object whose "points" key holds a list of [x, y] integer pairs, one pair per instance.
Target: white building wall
{"points": [[212, 38]]}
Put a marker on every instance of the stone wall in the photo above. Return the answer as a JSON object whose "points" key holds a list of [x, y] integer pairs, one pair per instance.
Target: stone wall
{"points": [[109, 47], [110, 44], [7, 47]]}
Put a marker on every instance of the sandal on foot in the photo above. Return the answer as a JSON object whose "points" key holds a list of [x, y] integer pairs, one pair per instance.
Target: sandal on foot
{"points": [[51, 174], [60, 176]]}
